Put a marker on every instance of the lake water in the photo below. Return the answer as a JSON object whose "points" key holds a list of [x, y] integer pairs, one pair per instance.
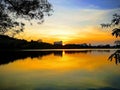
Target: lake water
{"points": [[59, 70]]}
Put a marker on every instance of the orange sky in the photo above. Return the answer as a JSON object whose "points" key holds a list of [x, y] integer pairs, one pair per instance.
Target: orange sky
{"points": [[93, 35], [72, 25]]}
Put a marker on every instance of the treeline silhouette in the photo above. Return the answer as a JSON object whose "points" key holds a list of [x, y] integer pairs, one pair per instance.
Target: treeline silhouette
{"points": [[7, 42]]}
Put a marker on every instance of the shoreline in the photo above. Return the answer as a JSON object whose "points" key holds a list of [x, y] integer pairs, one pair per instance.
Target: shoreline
{"points": [[79, 49]]}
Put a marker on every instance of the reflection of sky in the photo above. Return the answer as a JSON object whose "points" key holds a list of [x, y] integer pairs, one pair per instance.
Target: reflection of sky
{"points": [[77, 71]]}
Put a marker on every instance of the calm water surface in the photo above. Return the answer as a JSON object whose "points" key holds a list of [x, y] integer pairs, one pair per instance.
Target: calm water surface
{"points": [[59, 70]]}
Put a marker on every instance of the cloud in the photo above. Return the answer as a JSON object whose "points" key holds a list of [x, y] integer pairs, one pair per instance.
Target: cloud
{"points": [[70, 24]]}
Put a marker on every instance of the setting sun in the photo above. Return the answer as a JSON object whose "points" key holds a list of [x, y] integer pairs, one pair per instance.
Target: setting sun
{"points": [[76, 25]]}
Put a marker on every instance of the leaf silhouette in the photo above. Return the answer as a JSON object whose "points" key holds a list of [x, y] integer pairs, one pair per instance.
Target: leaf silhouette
{"points": [[116, 32], [115, 56]]}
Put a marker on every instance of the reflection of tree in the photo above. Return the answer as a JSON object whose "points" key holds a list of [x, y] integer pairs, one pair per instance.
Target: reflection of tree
{"points": [[115, 56], [11, 56], [82, 51], [58, 53]]}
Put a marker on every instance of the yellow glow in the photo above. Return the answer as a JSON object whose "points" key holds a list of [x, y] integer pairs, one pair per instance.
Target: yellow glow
{"points": [[72, 68], [61, 32], [67, 62], [75, 35], [71, 26], [63, 44]]}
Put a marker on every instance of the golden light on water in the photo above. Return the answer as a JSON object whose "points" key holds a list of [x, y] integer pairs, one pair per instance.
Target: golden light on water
{"points": [[62, 70], [66, 62]]}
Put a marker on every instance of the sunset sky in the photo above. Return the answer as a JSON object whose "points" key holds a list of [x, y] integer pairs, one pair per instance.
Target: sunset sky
{"points": [[75, 21]]}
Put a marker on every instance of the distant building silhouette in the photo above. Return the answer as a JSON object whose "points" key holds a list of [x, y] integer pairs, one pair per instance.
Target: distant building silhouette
{"points": [[39, 40], [58, 43]]}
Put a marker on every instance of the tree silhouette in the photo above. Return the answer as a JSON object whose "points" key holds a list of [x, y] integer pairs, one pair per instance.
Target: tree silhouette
{"points": [[11, 10], [116, 32], [117, 42], [115, 23], [115, 56]]}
